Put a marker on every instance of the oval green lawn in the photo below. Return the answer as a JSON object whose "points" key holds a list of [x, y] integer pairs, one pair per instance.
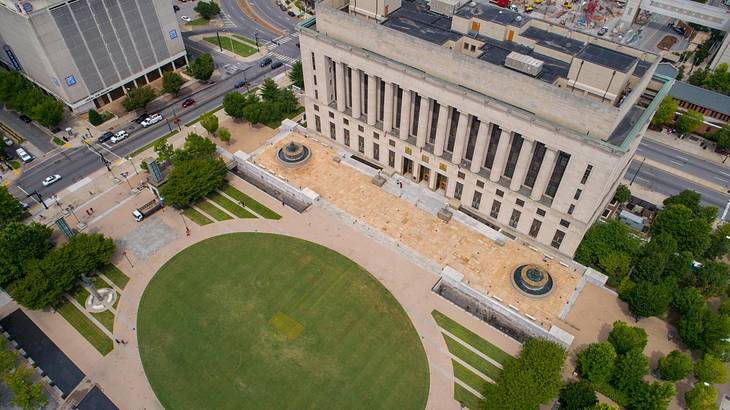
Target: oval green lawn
{"points": [[255, 321]]}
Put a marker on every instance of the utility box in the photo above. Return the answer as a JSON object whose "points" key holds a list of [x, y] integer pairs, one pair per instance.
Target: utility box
{"points": [[447, 7], [523, 63]]}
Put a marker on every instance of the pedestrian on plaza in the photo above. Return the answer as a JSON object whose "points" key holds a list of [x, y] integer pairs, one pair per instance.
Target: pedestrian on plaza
{"points": [[92, 210], [118, 341]]}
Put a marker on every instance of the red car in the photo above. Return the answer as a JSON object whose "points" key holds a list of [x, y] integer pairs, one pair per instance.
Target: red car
{"points": [[187, 103]]}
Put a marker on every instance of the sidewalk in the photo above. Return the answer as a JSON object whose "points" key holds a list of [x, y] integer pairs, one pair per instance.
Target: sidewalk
{"points": [[688, 145]]}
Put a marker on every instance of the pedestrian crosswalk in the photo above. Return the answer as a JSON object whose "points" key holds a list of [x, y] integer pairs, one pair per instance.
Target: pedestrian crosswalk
{"points": [[227, 21], [284, 59], [282, 40]]}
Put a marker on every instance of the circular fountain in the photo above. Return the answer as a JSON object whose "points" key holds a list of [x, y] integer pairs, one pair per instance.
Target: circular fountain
{"points": [[532, 280], [293, 154]]}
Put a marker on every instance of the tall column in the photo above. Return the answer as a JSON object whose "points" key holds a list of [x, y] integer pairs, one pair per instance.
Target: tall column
{"points": [[500, 156], [422, 123], [523, 161], [340, 79], [372, 99], [460, 142], [388, 109], [405, 115], [543, 176], [480, 149], [355, 93], [438, 146]]}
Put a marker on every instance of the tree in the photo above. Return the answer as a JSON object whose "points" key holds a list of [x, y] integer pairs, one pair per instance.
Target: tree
{"points": [[692, 200], [654, 258], [711, 279], [624, 337], [719, 242], [224, 135], [26, 394], [48, 112], [689, 121], [269, 90], [623, 194], [198, 147], [691, 232], [233, 104], [577, 396], [595, 362], [172, 82], [94, 117], [608, 245], [686, 299], [711, 370], [654, 396], [722, 138], [665, 112], [253, 113], [20, 244], [698, 77], [193, 179], [139, 98], [296, 74], [537, 371], [288, 100], [718, 79], [10, 209], [675, 366], [647, 299], [164, 150], [701, 397], [628, 371], [207, 9], [724, 308], [202, 67], [209, 121]]}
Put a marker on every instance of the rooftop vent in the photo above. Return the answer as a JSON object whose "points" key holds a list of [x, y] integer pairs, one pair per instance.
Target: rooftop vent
{"points": [[447, 7], [523, 63]]}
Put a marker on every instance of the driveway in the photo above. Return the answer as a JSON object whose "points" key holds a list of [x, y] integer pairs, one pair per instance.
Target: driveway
{"points": [[30, 132]]}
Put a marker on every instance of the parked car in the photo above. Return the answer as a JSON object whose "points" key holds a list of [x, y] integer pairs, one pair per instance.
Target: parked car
{"points": [[105, 137], [276, 64], [175, 8], [151, 120], [141, 118], [239, 84], [291, 13], [52, 179], [24, 155], [9, 154], [186, 19], [603, 31], [678, 29], [266, 61], [119, 136], [7, 141], [26, 119], [188, 102]]}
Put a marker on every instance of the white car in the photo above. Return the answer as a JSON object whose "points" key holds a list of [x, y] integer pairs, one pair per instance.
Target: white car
{"points": [[121, 135], [186, 19], [151, 120], [8, 141], [24, 155], [50, 180]]}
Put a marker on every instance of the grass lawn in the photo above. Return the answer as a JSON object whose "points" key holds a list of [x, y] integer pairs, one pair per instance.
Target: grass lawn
{"points": [[230, 206], [106, 318], [198, 22], [212, 210], [58, 141], [115, 275], [245, 39], [467, 376], [466, 398], [472, 359], [80, 294], [250, 203], [231, 44], [470, 337], [196, 216], [251, 320], [86, 327]]}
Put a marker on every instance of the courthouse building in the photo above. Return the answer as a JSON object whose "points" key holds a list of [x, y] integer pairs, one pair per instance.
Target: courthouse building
{"points": [[89, 52], [526, 126]]}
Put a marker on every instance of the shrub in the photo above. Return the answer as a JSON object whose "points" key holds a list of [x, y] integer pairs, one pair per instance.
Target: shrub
{"points": [[675, 366]]}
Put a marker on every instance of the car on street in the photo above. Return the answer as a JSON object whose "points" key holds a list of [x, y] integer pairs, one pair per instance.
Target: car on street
{"points": [[141, 118], [186, 19], [24, 155], [7, 141], [266, 61], [105, 137], [119, 136], [188, 102], [239, 84], [151, 120], [52, 179], [26, 119], [678, 29], [291, 13], [276, 64], [603, 31], [175, 8]]}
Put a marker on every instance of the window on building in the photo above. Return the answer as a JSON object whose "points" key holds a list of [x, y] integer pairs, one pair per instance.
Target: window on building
{"points": [[314, 63], [540, 211], [514, 155], [476, 200], [537, 156], [376, 152], [571, 208], [391, 159], [557, 175], [317, 124], [455, 117], [535, 227], [519, 202], [494, 213], [471, 141], [466, 46], [365, 94], [361, 144], [435, 110], [577, 194], [332, 131], [557, 239], [331, 114], [586, 174], [515, 218], [376, 135], [381, 102], [415, 113], [346, 121], [458, 190], [473, 48], [316, 107], [360, 128], [480, 184], [564, 223], [347, 137], [460, 175], [398, 106], [315, 79], [500, 193], [391, 143], [316, 95], [495, 135]]}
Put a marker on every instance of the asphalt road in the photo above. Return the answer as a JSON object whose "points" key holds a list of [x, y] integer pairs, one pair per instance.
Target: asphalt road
{"points": [[269, 11], [30, 131], [701, 168]]}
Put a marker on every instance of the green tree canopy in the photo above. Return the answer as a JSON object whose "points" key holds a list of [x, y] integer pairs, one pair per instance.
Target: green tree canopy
{"points": [[624, 337], [233, 104], [711, 279], [577, 396], [689, 121], [648, 299], [224, 135], [675, 366], [48, 112], [701, 397], [269, 90], [172, 82], [10, 209], [164, 150], [202, 67], [711, 370], [719, 242], [595, 362], [296, 74], [665, 112], [608, 245], [196, 147], [26, 394], [686, 299], [718, 79], [692, 233], [19, 244], [654, 258], [654, 396], [704, 330], [95, 118], [721, 137], [207, 9], [623, 193], [193, 179], [209, 121], [629, 370], [692, 200], [139, 98]]}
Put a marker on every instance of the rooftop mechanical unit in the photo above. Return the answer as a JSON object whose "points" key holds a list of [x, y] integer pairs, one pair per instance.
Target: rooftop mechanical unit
{"points": [[523, 63], [447, 7]]}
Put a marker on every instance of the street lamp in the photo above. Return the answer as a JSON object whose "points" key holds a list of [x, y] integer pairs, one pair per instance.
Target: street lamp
{"points": [[187, 230], [134, 167], [124, 174], [127, 257], [256, 36]]}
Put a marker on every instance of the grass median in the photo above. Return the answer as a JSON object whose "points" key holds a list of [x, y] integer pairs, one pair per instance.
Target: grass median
{"points": [[213, 210], [231, 44], [250, 203], [86, 328], [230, 206], [115, 275], [470, 337]]}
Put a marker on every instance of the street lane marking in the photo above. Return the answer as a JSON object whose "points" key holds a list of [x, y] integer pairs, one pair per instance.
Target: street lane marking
{"points": [[676, 162], [719, 179]]}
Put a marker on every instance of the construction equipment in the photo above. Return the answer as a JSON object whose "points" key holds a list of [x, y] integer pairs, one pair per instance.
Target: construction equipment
{"points": [[568, 5], [146, 210], [528, 7]]}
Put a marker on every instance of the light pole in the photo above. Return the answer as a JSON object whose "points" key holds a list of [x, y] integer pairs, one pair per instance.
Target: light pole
{"points": [[124, 174], [187, 230], [127, 258], [133, 167], [256, 36], [219, 41], [637, 171]]}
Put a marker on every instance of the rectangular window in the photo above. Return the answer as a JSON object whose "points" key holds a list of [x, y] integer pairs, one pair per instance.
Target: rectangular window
{"points": [[480, 184], [557, 239], [316, 107], [515, 218], [398, 107], [586, 174], [460, 175], [459, 189], [347, 137], [317, 124], [316, 95], [514, 155], [466, 46], [415, 113], [564, 223], [361, 144], [452, 129], [519, 202], [376, 152], [577, 194], [472, 140], [435, 109], [375, 135], [537, 156], [332, 131], [391, 159], [494, 213], [360, 128], [492, 149], [315, 79], [540, 212], [535, 227], [314, 64], [346, 121], [331, 114], [571, 208], [391, 143], [500, 193], [557, 175], [381, 103], [476, 200], [364, 94]]}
